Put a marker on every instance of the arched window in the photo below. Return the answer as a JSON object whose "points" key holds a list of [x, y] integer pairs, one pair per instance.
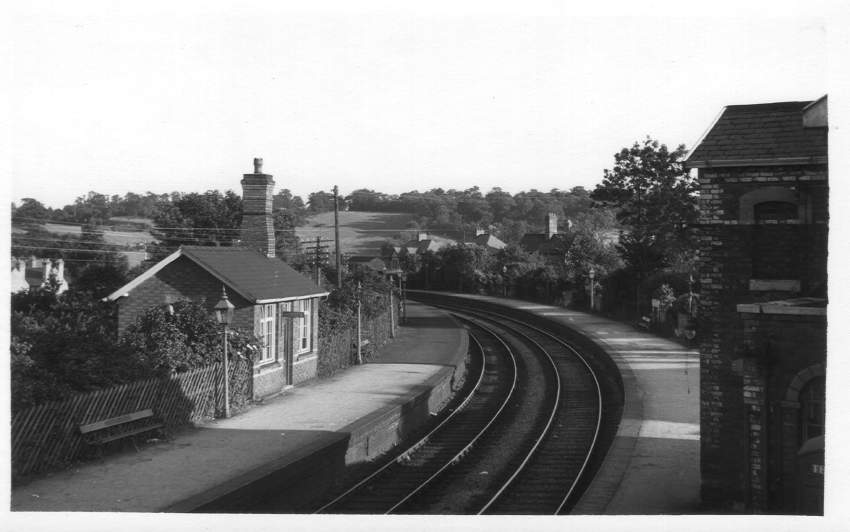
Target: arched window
{"points": [[812, 408], [772, 240], [770, 203], [774, 210]]}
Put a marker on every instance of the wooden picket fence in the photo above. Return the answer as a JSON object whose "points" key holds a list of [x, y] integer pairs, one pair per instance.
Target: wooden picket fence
{"points": [[337, 350], [47, 436]]}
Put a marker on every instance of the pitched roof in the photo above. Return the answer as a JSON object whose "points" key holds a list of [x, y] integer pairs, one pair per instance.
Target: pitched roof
{"points": [[488, 240], [434, 243], [768, 133], [250, 273]]}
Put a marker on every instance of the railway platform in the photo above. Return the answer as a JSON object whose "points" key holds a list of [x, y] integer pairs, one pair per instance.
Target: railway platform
{"points": [[652, 466], [274, 456]]}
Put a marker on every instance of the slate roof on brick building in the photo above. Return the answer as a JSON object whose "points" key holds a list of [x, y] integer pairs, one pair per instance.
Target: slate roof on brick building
{"points": [[769, 132], [250, 273]]}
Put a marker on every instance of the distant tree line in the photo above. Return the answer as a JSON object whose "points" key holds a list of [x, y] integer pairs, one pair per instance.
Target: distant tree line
{"points": [[459, 213]]}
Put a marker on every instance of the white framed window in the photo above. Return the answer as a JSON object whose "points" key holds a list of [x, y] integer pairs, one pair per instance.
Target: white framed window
{"points": [[303, 328], [267, 333]]}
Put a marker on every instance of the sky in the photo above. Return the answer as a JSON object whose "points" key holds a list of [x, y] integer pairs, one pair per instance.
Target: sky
{"points": [[119, 97], [159, 96]]}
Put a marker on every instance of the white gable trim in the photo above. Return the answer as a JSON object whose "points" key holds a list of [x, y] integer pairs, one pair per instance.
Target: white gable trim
{"points": [[127, 288], [294, 298], [701, 138]]}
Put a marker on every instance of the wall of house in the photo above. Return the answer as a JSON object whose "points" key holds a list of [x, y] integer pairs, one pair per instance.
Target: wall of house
{"points": [[727, 263], [270, 378], [182, 279], [307, 365]]}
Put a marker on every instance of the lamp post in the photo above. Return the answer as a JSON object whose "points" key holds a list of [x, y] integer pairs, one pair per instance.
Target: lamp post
{"points": [[592, 275], [224, 315]]}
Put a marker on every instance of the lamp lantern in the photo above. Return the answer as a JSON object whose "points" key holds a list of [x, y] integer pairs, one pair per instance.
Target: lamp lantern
{"points": [[224, 309]]}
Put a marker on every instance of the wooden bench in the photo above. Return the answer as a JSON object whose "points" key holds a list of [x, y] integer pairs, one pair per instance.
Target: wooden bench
{"points": [[116, 428]]}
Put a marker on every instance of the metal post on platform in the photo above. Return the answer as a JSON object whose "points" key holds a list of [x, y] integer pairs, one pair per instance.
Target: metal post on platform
{"points": [[359, 329], [392, 314], [336, 238], [403, 282], [592, 275]]}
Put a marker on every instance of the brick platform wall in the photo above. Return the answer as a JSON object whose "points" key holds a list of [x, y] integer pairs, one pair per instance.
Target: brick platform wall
{"points": [[728, 446]]}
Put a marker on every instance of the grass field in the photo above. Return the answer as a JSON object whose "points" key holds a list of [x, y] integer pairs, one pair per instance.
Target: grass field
{"points": [[360, 233], [119, 238]]}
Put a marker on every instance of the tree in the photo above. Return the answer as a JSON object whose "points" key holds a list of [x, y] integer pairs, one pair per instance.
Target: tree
{"points": [[586, 252], [470, 266], [63, 344], [655, 197], [321, 201], [287, 243], [211, 218], [30, 211], [285, 200]]}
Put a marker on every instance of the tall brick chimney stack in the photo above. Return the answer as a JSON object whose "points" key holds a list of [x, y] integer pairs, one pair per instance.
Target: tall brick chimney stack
{"points": [[551, 225], [257, 225]]}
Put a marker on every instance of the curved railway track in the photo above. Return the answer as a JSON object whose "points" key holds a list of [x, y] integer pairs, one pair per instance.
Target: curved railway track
{"points": [[521, 442], [409, 472]]}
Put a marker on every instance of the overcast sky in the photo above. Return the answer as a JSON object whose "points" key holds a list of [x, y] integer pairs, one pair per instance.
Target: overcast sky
{"points": [[163, 97]]}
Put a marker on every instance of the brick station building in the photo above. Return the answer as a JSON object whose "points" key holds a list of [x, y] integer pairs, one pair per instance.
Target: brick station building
{"points": [[263, 288], [763, 181]]}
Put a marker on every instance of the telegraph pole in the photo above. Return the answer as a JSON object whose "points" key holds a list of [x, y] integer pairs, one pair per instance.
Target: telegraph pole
{"points": [[336, 237]]}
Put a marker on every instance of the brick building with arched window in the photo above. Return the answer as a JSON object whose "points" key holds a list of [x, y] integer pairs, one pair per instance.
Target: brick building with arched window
{"points": [[763, 181]]}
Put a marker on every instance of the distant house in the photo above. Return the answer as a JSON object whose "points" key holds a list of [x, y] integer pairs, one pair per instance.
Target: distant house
{"points": [[260, 286], [485, 239], [551, 245], [425, 242], [763, 228], [37, 273]]}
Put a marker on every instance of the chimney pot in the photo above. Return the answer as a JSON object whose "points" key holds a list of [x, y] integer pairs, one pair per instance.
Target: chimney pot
{"points": [[258, 165]]}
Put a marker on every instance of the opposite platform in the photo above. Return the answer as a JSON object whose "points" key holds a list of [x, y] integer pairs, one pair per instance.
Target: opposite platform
{"points": [[652, 467], [311, 432]]}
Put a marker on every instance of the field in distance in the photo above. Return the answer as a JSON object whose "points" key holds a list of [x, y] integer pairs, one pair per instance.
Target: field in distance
{"points": [[360, 233]]}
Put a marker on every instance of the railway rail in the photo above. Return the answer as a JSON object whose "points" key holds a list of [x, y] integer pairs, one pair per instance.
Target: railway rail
{"points": [[525, 440]]}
